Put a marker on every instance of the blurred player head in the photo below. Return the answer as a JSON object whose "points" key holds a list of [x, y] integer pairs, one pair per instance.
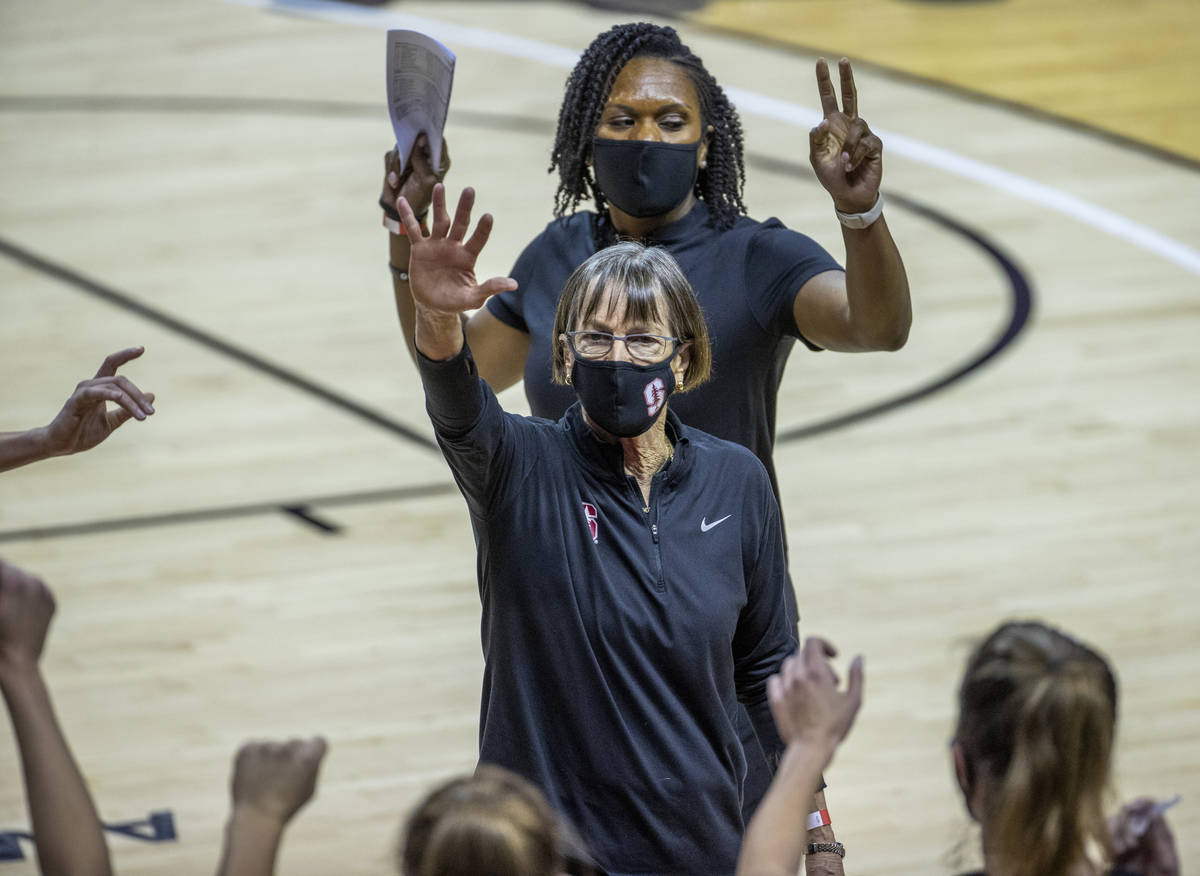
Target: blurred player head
{"points": [[1037, 717]]}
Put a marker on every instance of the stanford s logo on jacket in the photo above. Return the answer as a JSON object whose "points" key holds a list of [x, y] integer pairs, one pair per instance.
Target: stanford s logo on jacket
{"points": [[589, 511]]}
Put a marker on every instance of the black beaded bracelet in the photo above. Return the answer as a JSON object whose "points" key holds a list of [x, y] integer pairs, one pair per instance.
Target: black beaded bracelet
{"points": [[833, 848], [391, 212]]}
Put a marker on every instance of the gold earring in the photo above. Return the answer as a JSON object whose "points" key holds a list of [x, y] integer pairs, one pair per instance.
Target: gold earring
{"points": [[678, 383], [568, 379]]}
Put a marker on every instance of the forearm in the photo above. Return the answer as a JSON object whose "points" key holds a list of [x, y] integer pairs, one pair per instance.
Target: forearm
{"points": [[22, 448], [880, 309], [775, 839], [251, 843], [399, 250], [454, 396], [823, 833], [438, 335], [67, 830], [775, 749]]}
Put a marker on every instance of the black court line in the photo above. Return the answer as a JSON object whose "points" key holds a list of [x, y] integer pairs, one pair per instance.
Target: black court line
{"points": [[1116, 138], [1020, 310], [672, 10], [305, 513], [1019, 313], [298, 508], [1021, 305], [126, 302], [158, 104]]}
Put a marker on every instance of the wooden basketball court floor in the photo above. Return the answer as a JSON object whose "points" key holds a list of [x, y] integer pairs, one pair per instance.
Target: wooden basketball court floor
{"points": [[280, 550]]}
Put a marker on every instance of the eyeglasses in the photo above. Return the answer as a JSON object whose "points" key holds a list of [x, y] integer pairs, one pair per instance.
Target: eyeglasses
{"points": [[642, 348]]}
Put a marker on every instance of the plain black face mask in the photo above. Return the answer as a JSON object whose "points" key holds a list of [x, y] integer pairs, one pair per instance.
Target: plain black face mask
{"points": [[644, 178], [623, 398]]}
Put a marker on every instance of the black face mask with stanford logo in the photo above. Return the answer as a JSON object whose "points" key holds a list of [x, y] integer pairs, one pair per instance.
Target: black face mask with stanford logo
{"points": [[623, 398]]}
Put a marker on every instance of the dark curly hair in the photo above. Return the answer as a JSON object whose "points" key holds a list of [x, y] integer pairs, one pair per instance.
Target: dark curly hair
{"points": [[719, 184]]}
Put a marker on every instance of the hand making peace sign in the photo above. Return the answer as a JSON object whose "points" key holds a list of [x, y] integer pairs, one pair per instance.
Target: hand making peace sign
{"points": [[846, 156]]}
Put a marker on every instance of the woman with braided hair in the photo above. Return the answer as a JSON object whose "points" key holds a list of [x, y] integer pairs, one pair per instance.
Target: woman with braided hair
{"points": [[647, 134]]}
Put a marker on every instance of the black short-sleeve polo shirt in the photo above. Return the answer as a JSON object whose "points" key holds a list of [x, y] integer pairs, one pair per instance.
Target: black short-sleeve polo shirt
{"points": [[746, 279]]}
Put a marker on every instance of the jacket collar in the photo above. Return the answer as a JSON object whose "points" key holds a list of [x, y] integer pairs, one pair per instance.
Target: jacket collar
{"points": [[608, 461]]}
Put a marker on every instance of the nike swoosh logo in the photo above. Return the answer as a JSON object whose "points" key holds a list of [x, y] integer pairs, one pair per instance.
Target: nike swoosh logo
{"points": [[705, 526]]}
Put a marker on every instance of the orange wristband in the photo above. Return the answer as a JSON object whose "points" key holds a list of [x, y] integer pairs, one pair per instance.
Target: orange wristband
{"points": [[396, 227], [820, 818]]}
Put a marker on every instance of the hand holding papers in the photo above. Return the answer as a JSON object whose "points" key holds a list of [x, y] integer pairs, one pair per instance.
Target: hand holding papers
{"points": [[420, 71]]}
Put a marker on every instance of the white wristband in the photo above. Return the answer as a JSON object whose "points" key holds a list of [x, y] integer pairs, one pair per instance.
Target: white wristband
{"points": [[820, 818], [861, 220]]}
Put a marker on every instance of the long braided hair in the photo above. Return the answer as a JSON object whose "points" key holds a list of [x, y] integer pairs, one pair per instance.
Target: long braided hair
{"points": [[719, 184]]}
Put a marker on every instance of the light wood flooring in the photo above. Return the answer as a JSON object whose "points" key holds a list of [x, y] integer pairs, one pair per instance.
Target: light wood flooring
{"points": [[200, 177]]}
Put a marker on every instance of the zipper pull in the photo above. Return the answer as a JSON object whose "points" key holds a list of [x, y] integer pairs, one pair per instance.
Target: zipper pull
{"points": [[654, 532]]}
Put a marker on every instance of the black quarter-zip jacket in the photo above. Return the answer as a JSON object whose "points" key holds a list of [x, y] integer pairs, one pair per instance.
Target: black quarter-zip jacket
{"points": [[618, 637]]}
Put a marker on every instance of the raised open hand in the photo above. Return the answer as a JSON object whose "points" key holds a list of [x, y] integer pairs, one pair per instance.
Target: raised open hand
{"points": [[805, 700], [442, 265], [846, 156], [85, 420]]}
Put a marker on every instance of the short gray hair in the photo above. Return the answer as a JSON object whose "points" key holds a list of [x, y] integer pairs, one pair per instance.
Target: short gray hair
{"points": [[655, 291]]}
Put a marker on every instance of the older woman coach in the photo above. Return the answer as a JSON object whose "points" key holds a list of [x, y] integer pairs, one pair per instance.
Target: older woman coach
{"points": [[648, 137], [631, 569]]}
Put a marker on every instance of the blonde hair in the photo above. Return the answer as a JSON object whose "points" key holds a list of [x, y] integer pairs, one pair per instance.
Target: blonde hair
{"points": [[493, 822], [655, 290], [1037, 718]]}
